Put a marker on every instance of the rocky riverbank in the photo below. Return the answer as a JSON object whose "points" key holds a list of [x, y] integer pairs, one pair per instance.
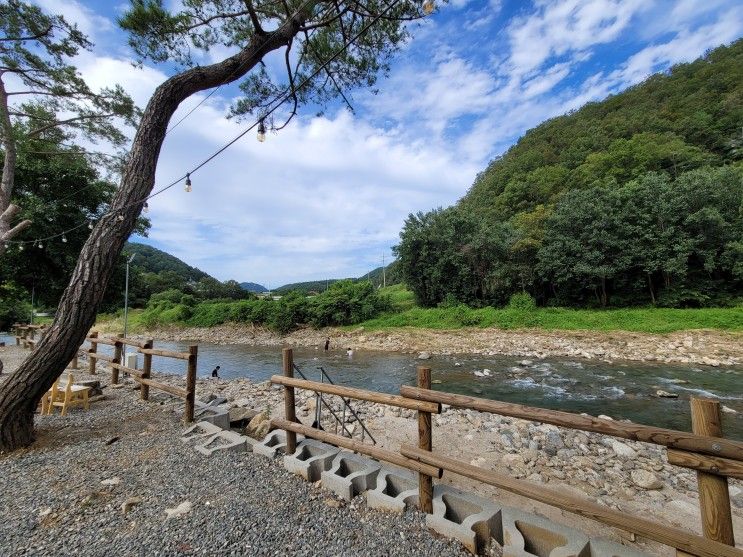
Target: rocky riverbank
{"points": [[629, 476], [705, 347]]}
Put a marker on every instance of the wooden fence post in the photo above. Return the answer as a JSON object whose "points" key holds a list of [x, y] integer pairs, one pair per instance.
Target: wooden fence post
{"points": [[714, 499], [74, 362], [144, 390], [17, 333], [425, 442], [91, 352], [193, 352], [118, 348], [289, 405]]}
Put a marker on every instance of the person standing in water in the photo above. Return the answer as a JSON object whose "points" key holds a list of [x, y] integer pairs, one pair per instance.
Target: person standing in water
{"points": [[349, 352], [327, 344], [215, 372]]}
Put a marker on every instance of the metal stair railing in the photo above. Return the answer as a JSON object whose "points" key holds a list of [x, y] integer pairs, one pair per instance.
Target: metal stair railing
{"points": [[346, 406]]}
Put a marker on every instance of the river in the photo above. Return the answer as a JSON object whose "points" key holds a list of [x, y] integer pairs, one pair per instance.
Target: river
{"points": [[621, 389]]}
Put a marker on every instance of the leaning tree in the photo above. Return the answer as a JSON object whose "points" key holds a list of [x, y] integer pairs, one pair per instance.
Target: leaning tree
{"points": [[42, 93], [327, 47]]}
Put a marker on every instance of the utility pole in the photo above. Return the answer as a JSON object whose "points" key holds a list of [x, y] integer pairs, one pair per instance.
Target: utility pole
{"points": [[33, 293], [126, 304], [384, 274]]}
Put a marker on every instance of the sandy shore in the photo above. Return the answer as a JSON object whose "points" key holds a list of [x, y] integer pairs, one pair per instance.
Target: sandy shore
{"points": [[703, 347]]}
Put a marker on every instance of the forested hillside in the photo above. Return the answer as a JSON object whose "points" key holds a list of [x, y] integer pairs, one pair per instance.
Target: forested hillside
{"points": [[153, 260], [634, 200]]}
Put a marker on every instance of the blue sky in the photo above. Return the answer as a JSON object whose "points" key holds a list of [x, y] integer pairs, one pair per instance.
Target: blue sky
{"points": [[327, 196]]}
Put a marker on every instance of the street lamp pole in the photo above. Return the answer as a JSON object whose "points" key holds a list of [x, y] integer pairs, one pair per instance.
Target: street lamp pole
{"points": [[126, 303]]}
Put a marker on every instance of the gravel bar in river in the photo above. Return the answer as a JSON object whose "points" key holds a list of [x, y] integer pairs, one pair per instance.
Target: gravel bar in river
{"points": [[66, 495]]}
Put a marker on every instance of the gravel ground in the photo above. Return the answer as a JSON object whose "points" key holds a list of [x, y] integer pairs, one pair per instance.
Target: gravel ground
{"points": [[64, 495]]}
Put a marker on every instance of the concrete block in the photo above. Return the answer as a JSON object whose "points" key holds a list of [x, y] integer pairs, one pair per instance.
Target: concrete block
{"points": [[394, 490], [529, 535], [199, 431], [225, 441], [215, 414], [350, 474], [604, 548], [272, 444], [470, 519], [311, 459]]}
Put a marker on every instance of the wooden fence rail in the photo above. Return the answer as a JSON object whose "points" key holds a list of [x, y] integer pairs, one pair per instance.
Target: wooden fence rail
{"points": [[704, 450], [143, 376]]}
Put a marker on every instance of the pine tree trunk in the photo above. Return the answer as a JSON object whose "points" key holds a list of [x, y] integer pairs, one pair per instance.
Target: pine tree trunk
{"points": [[77, 309]]}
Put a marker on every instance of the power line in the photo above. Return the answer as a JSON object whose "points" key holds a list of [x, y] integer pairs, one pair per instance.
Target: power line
{"points": [[273, 106]]}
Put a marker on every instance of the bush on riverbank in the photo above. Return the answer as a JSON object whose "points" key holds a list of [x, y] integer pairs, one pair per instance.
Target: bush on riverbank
{"points": [[344, 303], [518, 316]]}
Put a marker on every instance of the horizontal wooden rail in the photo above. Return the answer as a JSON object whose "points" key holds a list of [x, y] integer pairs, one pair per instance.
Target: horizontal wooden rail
{"points": [[129, 370], [359, 447], [101, 340], [175, 391], [670, 438], [132, 342], [667, 535], [359, 394], [706, 463], [99, 356], [164, 353]]}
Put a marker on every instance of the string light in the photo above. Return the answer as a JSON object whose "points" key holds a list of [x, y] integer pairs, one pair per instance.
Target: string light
{"points": [[428, 7], [146, 208], [40, 245], [276, 103], [64, 239]]}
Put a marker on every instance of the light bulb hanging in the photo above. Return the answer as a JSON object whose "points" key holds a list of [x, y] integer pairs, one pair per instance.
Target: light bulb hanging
{"points": [[64, 239], [20, 247], [40, 245], [428, 7], [188, 183], [261, 131], [90, 225], [146, 208]]}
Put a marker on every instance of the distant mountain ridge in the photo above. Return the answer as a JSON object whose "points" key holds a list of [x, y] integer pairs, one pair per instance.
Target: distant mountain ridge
{"points": [[376, 276], [153, 260], [253, 287]]}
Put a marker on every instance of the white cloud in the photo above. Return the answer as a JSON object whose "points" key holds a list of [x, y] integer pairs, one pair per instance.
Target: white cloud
{"points": [[88, 21]]}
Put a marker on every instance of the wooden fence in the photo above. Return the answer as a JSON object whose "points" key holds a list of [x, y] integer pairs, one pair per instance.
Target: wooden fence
{"points": [[26, 335], [713, 457], [143, 376]]}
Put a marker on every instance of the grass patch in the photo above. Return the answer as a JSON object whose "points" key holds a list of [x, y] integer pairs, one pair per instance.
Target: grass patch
{"points": [[643, 320]]}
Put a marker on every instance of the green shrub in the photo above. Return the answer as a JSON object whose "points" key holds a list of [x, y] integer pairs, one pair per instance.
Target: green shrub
{"points": [[522, 301]]}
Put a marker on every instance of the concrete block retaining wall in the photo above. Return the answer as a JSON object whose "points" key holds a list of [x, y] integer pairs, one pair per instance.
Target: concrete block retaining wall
{"points": [[350, 474], [311, 459]]}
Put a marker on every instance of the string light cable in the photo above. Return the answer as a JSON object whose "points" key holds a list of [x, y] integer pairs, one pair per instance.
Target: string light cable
{"points": [[82, 152], [278, 101]]}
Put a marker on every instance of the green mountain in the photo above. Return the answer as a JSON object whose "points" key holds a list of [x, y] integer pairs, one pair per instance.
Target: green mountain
{"points": [[633, 200], [375, 276], [153, 260], [253, 287]]}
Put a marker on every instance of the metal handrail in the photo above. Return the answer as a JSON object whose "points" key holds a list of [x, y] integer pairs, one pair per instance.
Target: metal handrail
{"points": [[335, 416], [346, 404]]}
